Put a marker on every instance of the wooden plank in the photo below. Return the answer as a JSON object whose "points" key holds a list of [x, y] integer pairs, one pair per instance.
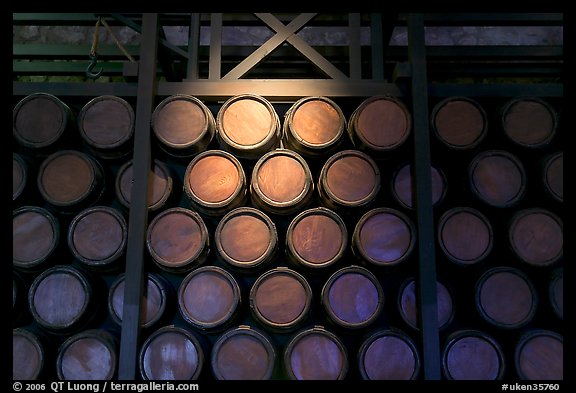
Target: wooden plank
{"points": [[215, 70], [355, 55], [377, 46], [193, 46]]}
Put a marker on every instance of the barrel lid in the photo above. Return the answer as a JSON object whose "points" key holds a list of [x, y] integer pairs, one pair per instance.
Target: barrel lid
{"points": [[90, 355], [159, 184], [171, 353], [243, 353], [208, 297], [180, 121], [539, 355], [353, 297], [465, 235], [39, 120], [35, 235], [106, 122], [505, 297], [459, 122], [388, 355], [403, 186], [554, 176], [176, 237], [246, 237], [67, 177], [384, 236], [408, 304], [19, 176], [316, 122], [97, 235], [27, 355], [556, 292], [317, 237], [529, 121]]}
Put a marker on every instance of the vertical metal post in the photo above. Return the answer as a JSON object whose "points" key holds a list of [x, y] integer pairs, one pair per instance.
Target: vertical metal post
{"points": [[427, 301], [138, 216], [215, 67], [193, 47], [377, 47], [354, 50]]}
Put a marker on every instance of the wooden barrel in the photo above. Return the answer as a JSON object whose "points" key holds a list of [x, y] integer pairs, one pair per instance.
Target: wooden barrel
{"points": [[403, 186], [19, 176], [314, 126], [281, 182], [243, 353], [459, 122], [352, 297], [106, 125], [178, 240], [280, 299], [61, 299], [316, 238], [154, 300], [529, 121], [35, 236], [465, 235], [246, 239], [171, 353], [556, 292], [497, 178], [19, 300], [209, 298], [388, 354], [89, 355], [472, 355], [408, 304], [383, 237], [536, 236], [97, 237], [379, 124], [160, 185], [539, 355], [506, 298], [70, 180], [28, 355], [316, 354], [40, 120], [349, 179], [183, 125], [215, 182], [553, 176], [248, 126]]}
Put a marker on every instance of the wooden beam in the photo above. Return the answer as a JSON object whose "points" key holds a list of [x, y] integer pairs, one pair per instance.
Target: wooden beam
{"points": [[354, 52], [214, 70]]}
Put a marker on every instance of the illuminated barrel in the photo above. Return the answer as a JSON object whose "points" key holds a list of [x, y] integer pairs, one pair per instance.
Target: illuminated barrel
{"points": [[35, 236], [28, 355]]}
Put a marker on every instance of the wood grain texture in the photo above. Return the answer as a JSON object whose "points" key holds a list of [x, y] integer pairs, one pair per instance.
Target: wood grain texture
{"points": [[180, 122], [170, 355], [465, 235], [39, 121], [529, 122], [242, 357], [99, 235], [106, 122], [316, 122], [87, 358], [472, 358], [153, 302], [351, 179], [382, 124], [245, 238], [537, 237], [27, 355], [353, 299], [317, 239], [34, 237], [214, 179], [384, 237], [459, 123], [541, 357], [66, 178], [159, 185], [246, 121], [317, 357], [389, 358], [280, 298], [282, 178]]}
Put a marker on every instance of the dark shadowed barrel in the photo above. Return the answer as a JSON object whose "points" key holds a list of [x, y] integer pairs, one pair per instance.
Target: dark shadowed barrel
{"points": [[28, 355], [388, 354], [155, 297], [209, 298], [243, 353], [497, 178], [19, 176], [553, 176], [35, 236], [178, 240], [408, 304], [379, 124], [89, 355], [506, 298], [61, 299], [465, 235], [349, 179], [97, 237], [314, 126], [19, 301], [459, 122], [246, 239], [183, 125], [248, 126], [70, 180], [529, 121], [280, 299], [556, 292], [352, 297], [281, 182], [160, 185], [106, 125], [383, 237], [403, 186], [215, 182], [472, 355], [316, 238], [316, 354], [40, 120], [536, 236], [539, 355], [171, 353]]}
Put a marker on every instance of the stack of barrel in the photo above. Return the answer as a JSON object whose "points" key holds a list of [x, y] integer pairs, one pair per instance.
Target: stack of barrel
{"points": [[280, 241]]}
